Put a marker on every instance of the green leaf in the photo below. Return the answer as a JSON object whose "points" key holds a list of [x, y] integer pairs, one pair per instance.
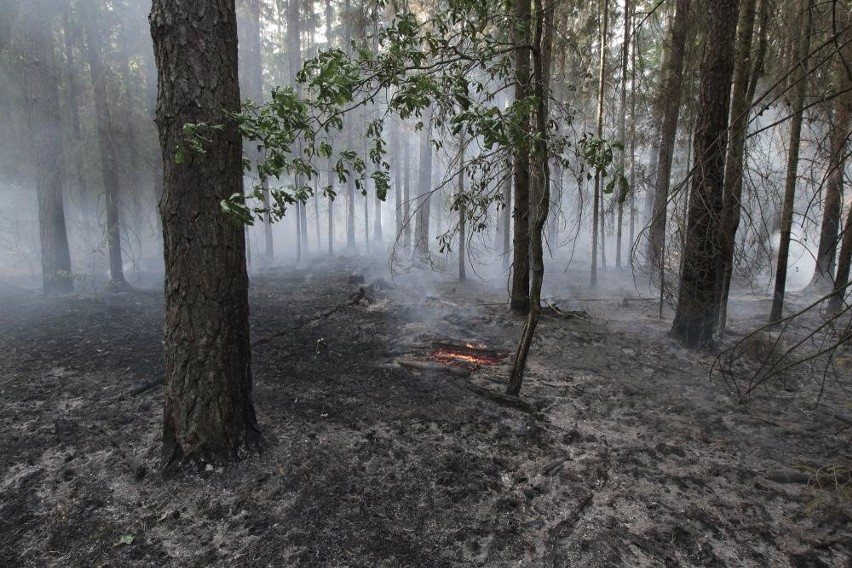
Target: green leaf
{"points": [[125, 540]]}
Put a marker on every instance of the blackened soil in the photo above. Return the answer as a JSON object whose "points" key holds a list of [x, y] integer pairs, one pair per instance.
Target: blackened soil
{"points": [[625, 454]]}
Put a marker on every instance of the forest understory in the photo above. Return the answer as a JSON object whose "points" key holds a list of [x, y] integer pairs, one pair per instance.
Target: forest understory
{"points": [[623, 450]]}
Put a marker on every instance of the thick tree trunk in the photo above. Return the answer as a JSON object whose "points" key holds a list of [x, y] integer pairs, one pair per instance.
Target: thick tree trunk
{"points": [[520, 300], [697, 308], [740, 107], [45, 129], [208, 408], [800, 90], [109, 164], [670, 95]]}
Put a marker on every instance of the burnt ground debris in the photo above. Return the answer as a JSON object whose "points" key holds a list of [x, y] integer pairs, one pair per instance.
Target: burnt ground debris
{"points": [[625, 452]]}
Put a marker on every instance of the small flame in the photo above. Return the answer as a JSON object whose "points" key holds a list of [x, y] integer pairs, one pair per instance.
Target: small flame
{"points": [[445, 356]]}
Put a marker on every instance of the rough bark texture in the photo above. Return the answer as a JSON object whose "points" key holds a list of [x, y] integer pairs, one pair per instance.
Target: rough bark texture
{"points": [[208, 407], [540, 190], [697, 308], [520, 300], [841, 280], [800, 90], [109, 165], [670, 95], [622, 130], [740, 106], [45, 128]]}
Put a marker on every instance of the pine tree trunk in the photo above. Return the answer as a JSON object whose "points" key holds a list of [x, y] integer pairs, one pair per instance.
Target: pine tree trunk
{"points": [[520, 300], [462, 210], [45, 129], [540, 190], [406, 194], [424, 188], [109, 164], [696, 316], [670, 95], [622, 130], [827, 253], [208, 407], [740, 107], [597, 200], [800, 90]]}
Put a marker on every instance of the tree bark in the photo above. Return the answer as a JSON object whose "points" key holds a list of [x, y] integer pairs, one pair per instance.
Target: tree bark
{"points": [[208, 406], [800, 90], [696, 316], [540, 189], [734, 165], [424, 188], [109, 164], [670, 95], [520, 300], [622, 131], [42, 89], [827, 253], [597, 200]]}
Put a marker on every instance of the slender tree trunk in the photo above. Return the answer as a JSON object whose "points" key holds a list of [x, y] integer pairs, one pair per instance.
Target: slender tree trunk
{"points": [[800, 88], [540, 190], [109, 164], [208, 405], [421, 241], [670, 95], [827, 253], [633, 50], [597, 200], [622, 131], [504, 222], [462, 210], [406, 194], [520, 300], [740, 107], [841, 280], [44, 121], [697, 314]]}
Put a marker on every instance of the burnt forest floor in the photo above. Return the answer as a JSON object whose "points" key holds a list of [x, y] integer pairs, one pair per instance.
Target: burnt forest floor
{"points": [[623, 452]]}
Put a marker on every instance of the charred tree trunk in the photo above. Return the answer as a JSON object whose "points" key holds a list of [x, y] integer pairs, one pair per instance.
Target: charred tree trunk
{"points": [[109, 163], [826, 256], [462, 210], [540, 190], [45, 129], [800, 90], [670, 95], [208, 407], [520, 300], [740, 106], [697, 308], [622, 131]]}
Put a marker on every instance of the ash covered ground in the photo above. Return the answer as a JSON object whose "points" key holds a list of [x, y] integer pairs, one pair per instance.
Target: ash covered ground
{"points": [[624, 451]]}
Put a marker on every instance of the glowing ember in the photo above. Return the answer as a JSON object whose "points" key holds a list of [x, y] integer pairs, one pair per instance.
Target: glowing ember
{"points": [[465, 353]]}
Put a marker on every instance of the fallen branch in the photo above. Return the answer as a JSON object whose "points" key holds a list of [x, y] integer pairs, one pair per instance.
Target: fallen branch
{"points": [[354, 299]]}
